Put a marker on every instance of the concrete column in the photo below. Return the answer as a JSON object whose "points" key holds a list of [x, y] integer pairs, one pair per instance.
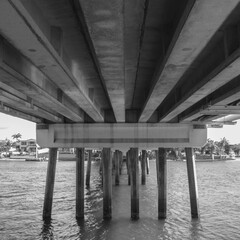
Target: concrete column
{"points": [[128, 167], [143, 166], [88, 173], [48, 199], [162, 182], [134, 173], [80, 183], [120, 162], [192, 182], [147, 163], [107, 183], [117, 166]]}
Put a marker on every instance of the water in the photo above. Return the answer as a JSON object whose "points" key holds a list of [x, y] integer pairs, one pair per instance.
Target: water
{"points": [[22, 193]]}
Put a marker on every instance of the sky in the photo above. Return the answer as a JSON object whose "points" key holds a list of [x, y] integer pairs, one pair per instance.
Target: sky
{"points": [[11, 125]]}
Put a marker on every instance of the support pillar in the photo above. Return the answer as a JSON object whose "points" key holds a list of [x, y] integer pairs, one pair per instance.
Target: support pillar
{"points": [[80, 183], [88, 173], [120, 162], [134, 172], [117, 166], [161, 167], [147, 163], [48, 199], [107, 183], [143, 166], [128, 168], [192, 182]]}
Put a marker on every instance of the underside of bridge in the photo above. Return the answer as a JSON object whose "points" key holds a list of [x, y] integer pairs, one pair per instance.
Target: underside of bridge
{"points": [[158, 61], [120, 74]]}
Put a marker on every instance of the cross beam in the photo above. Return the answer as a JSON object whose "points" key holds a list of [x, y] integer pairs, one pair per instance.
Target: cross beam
{"points": [[121, 136]]}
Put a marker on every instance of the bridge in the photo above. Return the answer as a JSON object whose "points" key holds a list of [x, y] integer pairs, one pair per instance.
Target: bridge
{"points": [[121, 75]]}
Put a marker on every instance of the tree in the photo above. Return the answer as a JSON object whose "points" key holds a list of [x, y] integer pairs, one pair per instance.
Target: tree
{"points": [[210, 147], [7, 144], [17, 136], [224, 146]]}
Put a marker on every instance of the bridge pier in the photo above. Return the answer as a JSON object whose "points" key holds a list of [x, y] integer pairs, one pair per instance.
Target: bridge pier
{"points": [[161, 168], [51, 169], [134, 176], [192, 182], [122, 136], [80, 183], [107, 183], [88, 173]]}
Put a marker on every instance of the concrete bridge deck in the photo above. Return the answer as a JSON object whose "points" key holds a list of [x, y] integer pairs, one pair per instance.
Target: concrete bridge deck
{"points": [[74, 61]]}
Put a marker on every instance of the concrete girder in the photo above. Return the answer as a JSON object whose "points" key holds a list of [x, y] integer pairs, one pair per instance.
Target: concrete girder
{"points": [[224, 96], [105, 23], [192, 35], [228, 70], [20, 74], [31, 37], [16, 113], [27, 107]]}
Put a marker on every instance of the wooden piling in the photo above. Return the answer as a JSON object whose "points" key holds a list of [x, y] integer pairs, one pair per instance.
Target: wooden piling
{"points": [[88, 173], [192, 182], [162, 182], [143, 166], [48, 199], [134, 172], [80, 183], [107, 183]]}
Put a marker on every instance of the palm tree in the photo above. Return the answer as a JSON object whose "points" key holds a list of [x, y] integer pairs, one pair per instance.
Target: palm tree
{"points": [[17, 136]]}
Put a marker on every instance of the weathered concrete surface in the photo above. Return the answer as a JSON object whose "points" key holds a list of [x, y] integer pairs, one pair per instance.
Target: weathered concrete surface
{"points": [[205, 17], [121, 136], [105, 23], [219, 77], [27, 35]]}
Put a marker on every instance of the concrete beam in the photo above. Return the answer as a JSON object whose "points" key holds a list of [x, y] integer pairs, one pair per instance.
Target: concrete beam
{"points": [[30, 33], [199, 23], [227, 70], [121, 136], [225, 95], [20, 74], [27, 107], [19, 114], [108, 40]]}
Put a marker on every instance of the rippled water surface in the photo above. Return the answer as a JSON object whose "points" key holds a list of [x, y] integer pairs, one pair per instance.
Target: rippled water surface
{"points": [[22, 193]]}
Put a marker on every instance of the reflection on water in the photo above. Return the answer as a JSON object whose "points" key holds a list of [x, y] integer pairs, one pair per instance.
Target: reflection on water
{"points": [[22, 192]]}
